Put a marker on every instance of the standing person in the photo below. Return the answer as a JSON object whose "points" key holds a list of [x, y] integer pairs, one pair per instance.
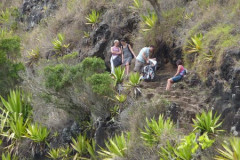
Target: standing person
{"points": [[127, 55], [178, 76], [143, 58], [116, 59]]}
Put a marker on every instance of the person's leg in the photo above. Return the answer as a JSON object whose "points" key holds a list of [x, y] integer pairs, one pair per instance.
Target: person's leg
{"points": [[112, 66], [127, 68], [169, 84], [137, 66]]}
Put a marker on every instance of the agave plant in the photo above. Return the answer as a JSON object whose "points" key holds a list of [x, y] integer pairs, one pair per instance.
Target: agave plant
{"points": [[33, 56], [5, 16], [134, 79], [93, 18], [195, 44], [155, 129], [149, 21], [121, 98], [207, 122], [136, 5], [37, 133], [65, 152], [115, 147], [80, 145], [119, 75], [231, 150], [59, 44], [7, 156], [54, 154], [91, 147], [18, 103]]}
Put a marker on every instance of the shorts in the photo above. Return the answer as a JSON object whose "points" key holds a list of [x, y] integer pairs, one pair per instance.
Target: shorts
{"points": [[138, 66], [177, 78]]}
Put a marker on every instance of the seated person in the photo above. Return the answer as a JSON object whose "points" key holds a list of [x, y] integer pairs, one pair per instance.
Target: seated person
{"points": [[178, 76]]}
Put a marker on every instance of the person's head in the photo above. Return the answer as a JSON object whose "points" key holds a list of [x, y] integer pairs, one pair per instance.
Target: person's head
{"points": [[179, 62], [123, 41], [151, 48], [116, 43]]}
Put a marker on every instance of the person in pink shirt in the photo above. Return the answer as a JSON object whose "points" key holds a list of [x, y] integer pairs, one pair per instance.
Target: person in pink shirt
{"points": [[178, 76], [116, 54]]}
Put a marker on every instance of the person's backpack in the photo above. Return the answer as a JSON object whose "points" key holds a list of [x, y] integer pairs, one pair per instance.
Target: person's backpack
{"points": [[117, 61], [148, 73]]}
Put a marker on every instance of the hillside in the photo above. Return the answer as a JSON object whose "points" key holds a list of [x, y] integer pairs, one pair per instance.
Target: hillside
{"points": [[60, 101]]}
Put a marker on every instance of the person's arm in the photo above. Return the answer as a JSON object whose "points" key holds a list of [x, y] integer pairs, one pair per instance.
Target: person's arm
{"points": [[178, 70], [132, 50], [144, 57], [122, 54], [114, 52]]}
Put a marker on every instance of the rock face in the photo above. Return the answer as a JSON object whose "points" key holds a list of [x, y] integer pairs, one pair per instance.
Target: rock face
{"points": [[33, 11]]}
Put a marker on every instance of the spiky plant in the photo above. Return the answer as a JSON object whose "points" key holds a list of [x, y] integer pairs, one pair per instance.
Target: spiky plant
{"points": [[230, 151], [149, 21], [115, 147], [33, 56], [207, 122], [18, 103], [121, 98], [7, 156], [80, 145], [119, 75], [134, 79], [5, 16], [86, 34], [154, 130], [195, 44], [37, 133], [93, 18], [59, 44], [54, 153], [136, 4]]}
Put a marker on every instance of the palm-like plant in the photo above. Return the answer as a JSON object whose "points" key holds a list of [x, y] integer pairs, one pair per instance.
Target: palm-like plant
{"points": [[59, 44], [207, 122], [18, 103], [134, 79], [149, 21], [54, 153], [137, 4], [7, 156], [195, 44], [155, 129], [80, 145], [33, 56], [116, 147], [121, 98], [119, 75], [37, 133], [231, 150], [93, 18]]}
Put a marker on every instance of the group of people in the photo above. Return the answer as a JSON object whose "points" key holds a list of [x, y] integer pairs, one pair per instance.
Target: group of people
{"points": [[122, 54]]}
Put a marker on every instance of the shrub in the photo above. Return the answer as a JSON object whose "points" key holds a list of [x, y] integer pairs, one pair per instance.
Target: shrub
{"points": [[17, 103], [73, 55], [37, 133], [154, 130], [116, 147], [206, 122], [101, 84], [57, 76], [91, 65], [119, 75], [231, 150]]}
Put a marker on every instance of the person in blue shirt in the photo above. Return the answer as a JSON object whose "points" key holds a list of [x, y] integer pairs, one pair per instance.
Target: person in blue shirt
{"points": [[143, 58]]}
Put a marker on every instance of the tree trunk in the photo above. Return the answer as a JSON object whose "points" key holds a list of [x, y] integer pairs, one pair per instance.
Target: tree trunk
{"points": [[156, 7]]}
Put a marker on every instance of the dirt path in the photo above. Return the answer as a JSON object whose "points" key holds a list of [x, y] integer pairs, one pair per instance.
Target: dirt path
{"points": [[188, 101]]}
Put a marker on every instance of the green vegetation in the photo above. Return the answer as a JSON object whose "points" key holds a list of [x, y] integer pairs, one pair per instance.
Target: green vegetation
{"points": [[136, 4], [195, 45], [33, 57], [93, 18], [154, 130], [101, 84], [7, 156], [231, 150], [149, 21], [121, 98], [37, 133], [116, 147], [59, 44], [134, 79], [119, 75], [60, 153], [207, 122]]}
